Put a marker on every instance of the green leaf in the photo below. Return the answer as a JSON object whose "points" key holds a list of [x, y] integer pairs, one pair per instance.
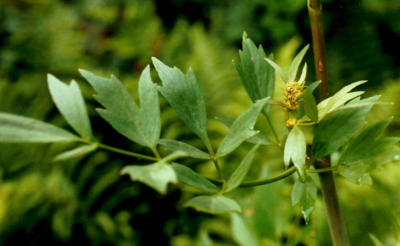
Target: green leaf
{"points": [[241, 171], [295, 150], [193, 179], [139, 125], [74, 153], [296, 63], [310, 106], [303, 73], [278, 69], [241, 129], [257, 76], [305, 194], [70, 103], [310, 88], [156, 175], [337, 128], [365, 153], [16, 129], [216, 204], [375, 240], [336, 100], [256, 139], [241, 232], [173, 145], [184, 94]]}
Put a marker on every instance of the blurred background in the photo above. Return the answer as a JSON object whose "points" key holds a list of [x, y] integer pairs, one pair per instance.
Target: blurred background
{"points": [[85, 202]]}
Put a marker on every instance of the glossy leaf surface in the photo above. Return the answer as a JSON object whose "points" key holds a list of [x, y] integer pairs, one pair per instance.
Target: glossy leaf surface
{"points": [[241, 129], [184, 94], [238, 175], [193, 179], [337, 128], [295, 150], [173, 145], [16, 129], [214, 204], [304, 194], [74, 153], [69, 101], [141, 125]]}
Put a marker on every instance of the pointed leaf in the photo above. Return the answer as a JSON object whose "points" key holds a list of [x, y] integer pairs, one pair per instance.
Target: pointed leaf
{"points": [[184, 94], [296, 63], [337, 128], [193, 179], [214, 204], [238, 175], [156, 175], [310, 106], [303, 74], [241, 232], [278, 69], [70, 103], [16, 129], [256, 139], [257, 76], [139, 125], [366, 153], [242, 129], [173, 145], [300, 111], [77, 152], [305, 194], [375, 240], [295, 150]]}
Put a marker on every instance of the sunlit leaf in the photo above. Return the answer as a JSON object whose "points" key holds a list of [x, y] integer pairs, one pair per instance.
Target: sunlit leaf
{"points": [[215, 204], [14, 128], [305, 194], [241, 232], [295, 150], [69, 101], [375, 240], [156, 175], [141, 125], [303, 73], [241, 171], [173, 145], [310, 106], [257, 76], [256, 139], [310, 88], [193, 179], [337, 128], [278, 69], [184, 94], [296, 63], [241, 129], [77, 152], [365, 153]]}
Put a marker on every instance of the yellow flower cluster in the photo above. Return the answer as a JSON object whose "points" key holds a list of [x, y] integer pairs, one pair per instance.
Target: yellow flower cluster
{"points": [[292, 94]]}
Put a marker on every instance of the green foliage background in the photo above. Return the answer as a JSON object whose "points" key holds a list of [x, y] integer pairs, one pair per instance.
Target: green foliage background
{"points": [[86, 202]]}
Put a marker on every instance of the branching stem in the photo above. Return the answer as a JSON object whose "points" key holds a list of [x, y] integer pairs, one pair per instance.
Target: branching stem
{"points": [[124, 152]]}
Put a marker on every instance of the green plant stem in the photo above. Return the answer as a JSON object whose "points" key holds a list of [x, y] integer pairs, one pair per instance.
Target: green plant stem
{"points": [[155, 152], [219, 172], [322, 170], [272, 127], [124, 152], [259, 182], [331, 200]]}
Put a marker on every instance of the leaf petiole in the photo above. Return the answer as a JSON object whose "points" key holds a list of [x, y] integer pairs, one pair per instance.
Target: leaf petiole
{"points": [[124, 152]]}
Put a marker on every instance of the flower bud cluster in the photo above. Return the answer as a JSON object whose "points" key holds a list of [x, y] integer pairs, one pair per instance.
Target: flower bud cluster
{"points": [[292, 94]]}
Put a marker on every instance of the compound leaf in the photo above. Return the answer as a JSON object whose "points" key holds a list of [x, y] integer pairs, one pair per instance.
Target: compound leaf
{"points": [[193, 179], [305, 194], [184, 94], [295, 150], [241, 129], [241, 171], [173, 145], [15, 129], [216, 204], [70, 102], [141, 125]]}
